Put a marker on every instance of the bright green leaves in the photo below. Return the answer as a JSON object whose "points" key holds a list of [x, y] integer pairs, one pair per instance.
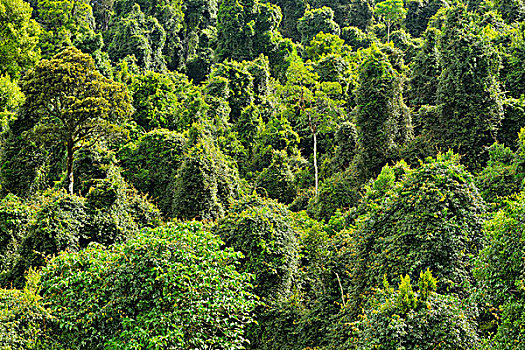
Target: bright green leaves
{"points": [[171, 287], [408, 319], [391, 12], [19, 37]]}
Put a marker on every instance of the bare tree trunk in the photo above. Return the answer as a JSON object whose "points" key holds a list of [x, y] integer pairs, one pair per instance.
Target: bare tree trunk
{"points": [[70, 166]]}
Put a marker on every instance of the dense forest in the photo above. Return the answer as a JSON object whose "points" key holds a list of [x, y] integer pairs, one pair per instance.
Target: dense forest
{"points": [[242, 174]]}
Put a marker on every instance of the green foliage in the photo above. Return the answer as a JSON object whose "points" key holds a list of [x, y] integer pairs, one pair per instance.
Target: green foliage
{"points": [[206, 182], [431, 218], [171, 287], [61, 222], [502, 176], [151, 164], [67, 23], [19, 36], [149, 30], [419, 13], [499, 270], [71, 103], [262, 230], [514, 70], [468, 95], [10, 100], [382, 119], [24, 318], [425, 71], [404, 319], [359, 14], [513, 121], [317, 21], [391, 12], [165, 101], [247, 29], [355, 37], [14, 218], [141, 36], [325, 44], [277, 180]]}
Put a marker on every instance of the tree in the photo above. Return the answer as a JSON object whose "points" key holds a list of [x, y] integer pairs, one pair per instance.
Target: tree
{"points": [[19, 35], [382, 119], [140, 35], [311, 104], [431, 218], [392, 12], [246, 29], [315, 21], [67, 23], [469, 97], [72, 103]]}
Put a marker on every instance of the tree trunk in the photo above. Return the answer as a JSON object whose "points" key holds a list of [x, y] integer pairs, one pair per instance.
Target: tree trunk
{"points": [[315, 165], [70, 166]]}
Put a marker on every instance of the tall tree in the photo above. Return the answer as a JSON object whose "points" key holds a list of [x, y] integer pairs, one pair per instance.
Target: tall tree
{"points": [[391, 12], [72, 103], [382, 118], [469, 98]]}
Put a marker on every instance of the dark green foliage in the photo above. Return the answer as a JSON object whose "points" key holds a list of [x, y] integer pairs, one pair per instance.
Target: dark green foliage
{"points": [[359, 14], [240, 83], [292, 10], [24, 318], [205, 183], [514, 69], [425, 71], [346, 144], [419, 13], [277, 180], [246, 29], [513, 121], [422, 319], [153, 27], [171, 287], [27, 167], [502, 176], [355, 38], [139, 35], [468, 95], [151, 164], [511, 10], [316, 21], [499, 270], [14, 218], [338, 192], [262, 230], [382, 119], [432, 218], [62, 222]]}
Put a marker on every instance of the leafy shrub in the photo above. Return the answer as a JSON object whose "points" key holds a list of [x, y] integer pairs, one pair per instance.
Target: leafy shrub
{"points": [[262, 230], [422, 319], [14, 217], [170, 287], [61, 222], [499, 270], [23, 317]]}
